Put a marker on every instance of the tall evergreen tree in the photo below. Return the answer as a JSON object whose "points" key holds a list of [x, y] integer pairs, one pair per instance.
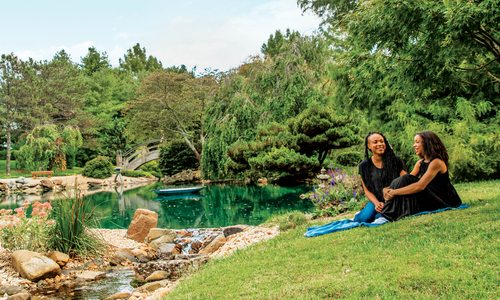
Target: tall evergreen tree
{"points": [[19, 99], [136, 61], [94, 61]]}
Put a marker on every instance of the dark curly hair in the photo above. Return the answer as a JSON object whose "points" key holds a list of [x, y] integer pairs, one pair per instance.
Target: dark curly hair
{"points": [[433, 146], [390, 162]]}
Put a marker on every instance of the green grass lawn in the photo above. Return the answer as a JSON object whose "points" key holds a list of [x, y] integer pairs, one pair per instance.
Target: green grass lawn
{"points": [[450, 255], [14, 172]]}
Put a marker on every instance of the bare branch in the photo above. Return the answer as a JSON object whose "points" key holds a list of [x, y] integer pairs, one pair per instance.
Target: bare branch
{"points": [[494, 77], [478, 68]]}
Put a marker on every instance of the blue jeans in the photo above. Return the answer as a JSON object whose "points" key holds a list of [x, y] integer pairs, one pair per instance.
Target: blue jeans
{"points": [[367, 214]]}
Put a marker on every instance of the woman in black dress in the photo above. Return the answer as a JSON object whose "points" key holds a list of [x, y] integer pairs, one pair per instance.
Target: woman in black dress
{"points": [[427, 187], [380, 167]]}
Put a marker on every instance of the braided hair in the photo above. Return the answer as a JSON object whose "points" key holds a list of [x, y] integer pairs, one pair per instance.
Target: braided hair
{"points": [[433, 146], [391, 164]]}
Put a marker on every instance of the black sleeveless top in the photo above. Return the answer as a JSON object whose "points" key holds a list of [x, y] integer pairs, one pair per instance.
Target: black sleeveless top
{"points": [[439, 189], [373, 177]]}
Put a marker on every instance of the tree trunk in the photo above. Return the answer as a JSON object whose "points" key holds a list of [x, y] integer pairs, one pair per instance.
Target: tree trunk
{"points": [[7, 159], [322, 154], [192, 147]]}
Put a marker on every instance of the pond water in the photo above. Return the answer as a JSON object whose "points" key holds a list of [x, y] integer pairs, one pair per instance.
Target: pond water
{"points": [[215, 206]]}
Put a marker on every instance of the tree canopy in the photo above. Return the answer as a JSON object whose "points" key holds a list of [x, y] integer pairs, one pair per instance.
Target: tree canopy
{"points": [[415, 65]]}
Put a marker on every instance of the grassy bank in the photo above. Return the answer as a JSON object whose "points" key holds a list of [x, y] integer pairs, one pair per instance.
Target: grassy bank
{"points": [[14, 172], [450, 255]]}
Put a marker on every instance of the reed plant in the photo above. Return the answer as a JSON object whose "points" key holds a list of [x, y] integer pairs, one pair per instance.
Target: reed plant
{"points": [[73, 216]]}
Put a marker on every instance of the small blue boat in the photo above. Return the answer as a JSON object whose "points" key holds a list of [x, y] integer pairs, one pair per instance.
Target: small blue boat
{"points": [[175, 197], [174, 191]]}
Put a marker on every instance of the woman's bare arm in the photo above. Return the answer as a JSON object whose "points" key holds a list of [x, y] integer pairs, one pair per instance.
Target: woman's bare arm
{"points": [[378, 205], [416, 168], [436, 166]]}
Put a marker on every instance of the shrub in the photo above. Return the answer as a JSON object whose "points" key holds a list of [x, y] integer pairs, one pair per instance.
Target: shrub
{"points": [[99, 167], [343, 192], [70, 235], [350, 159], [153, 168], [136, 173], [17, 231], [282, 164]]}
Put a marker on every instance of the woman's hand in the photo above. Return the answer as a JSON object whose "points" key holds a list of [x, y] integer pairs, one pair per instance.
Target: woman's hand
{"points": [[379, 206], [387, 194]]}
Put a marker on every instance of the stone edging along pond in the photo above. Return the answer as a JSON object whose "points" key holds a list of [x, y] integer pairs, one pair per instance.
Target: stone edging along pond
{"points": [[35, 187]]}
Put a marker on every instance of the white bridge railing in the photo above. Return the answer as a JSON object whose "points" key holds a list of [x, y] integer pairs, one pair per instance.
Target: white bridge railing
{"points": [[139, 155]]}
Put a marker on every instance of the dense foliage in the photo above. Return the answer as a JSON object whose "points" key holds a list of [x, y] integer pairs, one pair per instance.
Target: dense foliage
{"points": [[170, 105], [415, 65], [275, 88], [175, 156], [20, 231], [396, 66], [47, 148], [58, 225]]}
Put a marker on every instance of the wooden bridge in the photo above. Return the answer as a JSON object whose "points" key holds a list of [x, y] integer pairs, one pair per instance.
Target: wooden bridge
{"points": [[139, 155]]}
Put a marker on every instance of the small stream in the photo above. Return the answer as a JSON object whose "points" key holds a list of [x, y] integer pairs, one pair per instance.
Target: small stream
{"points": [[116, 281]]}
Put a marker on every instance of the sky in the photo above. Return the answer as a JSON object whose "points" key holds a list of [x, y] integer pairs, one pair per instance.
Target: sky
{"points": [[215, 34]]}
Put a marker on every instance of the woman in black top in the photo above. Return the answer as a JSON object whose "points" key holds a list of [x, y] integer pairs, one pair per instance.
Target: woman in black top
{"points": [[427, 187], [377, 171]]}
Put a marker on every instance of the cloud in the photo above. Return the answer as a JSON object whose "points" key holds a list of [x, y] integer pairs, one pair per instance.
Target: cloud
{"points": [[76, 51], [122, 36], [224, 44], [220, 34]]}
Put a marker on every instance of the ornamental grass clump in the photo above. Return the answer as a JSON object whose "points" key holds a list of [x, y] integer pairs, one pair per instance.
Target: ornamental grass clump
{"points": [[341, 193], [24, 229], [72, 218]]}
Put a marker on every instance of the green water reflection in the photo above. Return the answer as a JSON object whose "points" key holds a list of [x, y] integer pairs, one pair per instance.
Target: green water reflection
{"points": [[215, 206]]}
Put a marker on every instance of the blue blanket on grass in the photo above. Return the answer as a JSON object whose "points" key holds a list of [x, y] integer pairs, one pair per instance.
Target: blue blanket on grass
{"points": [[349, 224]]}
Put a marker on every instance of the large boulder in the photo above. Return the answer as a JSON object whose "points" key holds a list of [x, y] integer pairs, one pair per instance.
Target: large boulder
{"points": [[34, 266], [183, 176], [142, 222]]}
